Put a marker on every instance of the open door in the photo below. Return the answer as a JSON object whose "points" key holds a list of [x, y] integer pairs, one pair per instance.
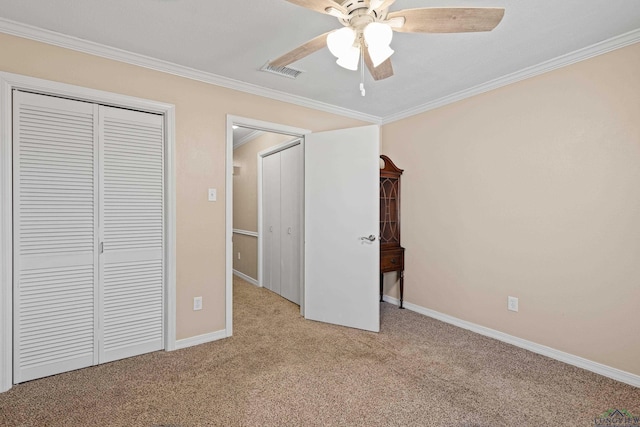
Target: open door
{"points": [[342, 209]]}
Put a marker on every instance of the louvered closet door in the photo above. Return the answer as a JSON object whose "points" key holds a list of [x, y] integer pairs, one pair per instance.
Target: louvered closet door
{"points": [[55, 218], [133, 226]]}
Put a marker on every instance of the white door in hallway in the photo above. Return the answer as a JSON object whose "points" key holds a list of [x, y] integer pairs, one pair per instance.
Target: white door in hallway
{"points": [[272, 213], [342, 210], [282, 206], [291, 222]]}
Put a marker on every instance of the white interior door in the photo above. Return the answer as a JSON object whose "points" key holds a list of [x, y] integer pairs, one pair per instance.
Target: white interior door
{"points": [[271, 195], [132, 229], [55, 213], [342, 174], [291, 207]]}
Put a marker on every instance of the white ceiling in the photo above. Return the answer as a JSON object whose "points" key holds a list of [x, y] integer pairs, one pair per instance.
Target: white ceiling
{"points": [[234, 39]]}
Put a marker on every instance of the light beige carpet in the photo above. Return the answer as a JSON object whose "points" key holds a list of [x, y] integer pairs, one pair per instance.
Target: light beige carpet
{"points": [[281, 370]]}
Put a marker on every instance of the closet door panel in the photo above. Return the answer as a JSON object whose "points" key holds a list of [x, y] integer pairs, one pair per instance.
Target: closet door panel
{"points": [[271, 213], [132, 147], [55, 238], [291, 203]]}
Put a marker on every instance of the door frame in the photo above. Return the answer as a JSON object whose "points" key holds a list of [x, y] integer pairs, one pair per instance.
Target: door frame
{"points": [[261, 155], [9, 82], [257, 125]]}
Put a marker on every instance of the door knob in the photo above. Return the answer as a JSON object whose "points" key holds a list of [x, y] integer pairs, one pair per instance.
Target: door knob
{"points": [[371, 238]]}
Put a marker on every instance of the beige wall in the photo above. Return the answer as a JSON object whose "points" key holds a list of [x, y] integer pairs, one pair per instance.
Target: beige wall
{"points": [[201, 111], [245, 200], [531, 190], [247, 247]]}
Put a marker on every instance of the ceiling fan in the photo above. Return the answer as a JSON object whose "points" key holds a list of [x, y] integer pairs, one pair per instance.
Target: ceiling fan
{"points": [[368, 30]]}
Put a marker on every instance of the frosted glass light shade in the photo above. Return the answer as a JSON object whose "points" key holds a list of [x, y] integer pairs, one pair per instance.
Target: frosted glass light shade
{"points": [[378, 37], [380, 54], [378, 34], [349, 59], [340, 41]]}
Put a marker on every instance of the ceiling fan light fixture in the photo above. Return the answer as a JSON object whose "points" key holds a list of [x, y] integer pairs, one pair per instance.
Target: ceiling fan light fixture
{"points": [[340, 41], [349, 59], [378, 34], [379, 54], [378, 37]]}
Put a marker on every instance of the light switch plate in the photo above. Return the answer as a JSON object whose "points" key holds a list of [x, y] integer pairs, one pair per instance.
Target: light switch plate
{"points": [[197, 303], [213, 194]]}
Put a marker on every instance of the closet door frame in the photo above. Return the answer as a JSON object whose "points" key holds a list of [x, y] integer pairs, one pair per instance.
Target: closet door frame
{"points": [[10, 82]]}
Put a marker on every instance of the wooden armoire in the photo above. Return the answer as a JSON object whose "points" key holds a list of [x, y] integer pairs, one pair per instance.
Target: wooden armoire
{"points": [[391, 253]]}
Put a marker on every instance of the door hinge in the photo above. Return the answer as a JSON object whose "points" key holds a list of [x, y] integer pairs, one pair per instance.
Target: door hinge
{"points": [[101, 247]]}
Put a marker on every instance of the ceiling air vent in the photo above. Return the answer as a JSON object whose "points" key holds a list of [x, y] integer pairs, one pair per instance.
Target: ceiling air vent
{"points": [[281, 71]]}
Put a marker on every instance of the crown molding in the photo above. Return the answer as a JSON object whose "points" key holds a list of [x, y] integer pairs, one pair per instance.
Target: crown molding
{"points": [[600, 48], [69, 42], [85, 46], [249, 137]]}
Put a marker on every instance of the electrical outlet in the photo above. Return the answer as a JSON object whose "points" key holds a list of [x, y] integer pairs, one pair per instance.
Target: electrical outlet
{"points": [[197, 303], [512, 303], [238, 255]]}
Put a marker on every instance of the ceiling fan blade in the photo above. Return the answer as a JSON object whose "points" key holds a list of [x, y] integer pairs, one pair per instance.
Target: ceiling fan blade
{"points": [[300, 52], [448, 20], [380, 72], [319, 5]]}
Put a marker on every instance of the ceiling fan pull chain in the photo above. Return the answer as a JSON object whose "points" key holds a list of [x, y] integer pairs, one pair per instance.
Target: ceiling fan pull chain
{"points": [[362, 91]]}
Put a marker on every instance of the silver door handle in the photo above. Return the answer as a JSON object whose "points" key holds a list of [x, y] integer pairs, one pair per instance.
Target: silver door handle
{"points": [[371, 238], [289, 230], [271, 228]]}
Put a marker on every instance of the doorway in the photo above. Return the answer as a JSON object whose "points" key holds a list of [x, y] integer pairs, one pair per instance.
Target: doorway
{"points": [[267, 197], [239, 233], [341, 219]]}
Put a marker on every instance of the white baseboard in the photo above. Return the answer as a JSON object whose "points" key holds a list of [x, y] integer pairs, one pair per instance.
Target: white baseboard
{"points": [[201, 339], [589, 365], [246, 278]]}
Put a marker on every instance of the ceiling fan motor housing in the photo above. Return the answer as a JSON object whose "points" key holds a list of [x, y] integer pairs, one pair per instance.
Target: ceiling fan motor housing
{"points": [[358, 14]]}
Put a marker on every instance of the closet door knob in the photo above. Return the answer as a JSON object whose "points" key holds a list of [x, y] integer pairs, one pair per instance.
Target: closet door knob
{"points": [[289, 230], [271, 228]]}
